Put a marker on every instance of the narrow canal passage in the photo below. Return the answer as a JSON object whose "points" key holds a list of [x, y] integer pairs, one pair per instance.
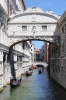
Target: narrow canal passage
{"points": [[35, 87]]}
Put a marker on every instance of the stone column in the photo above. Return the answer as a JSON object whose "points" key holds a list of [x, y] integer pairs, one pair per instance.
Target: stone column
{"points": [[11, 60], [1, 69]]}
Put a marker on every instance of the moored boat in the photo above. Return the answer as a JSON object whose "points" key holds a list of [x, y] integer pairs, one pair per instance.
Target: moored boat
{"points": [[30, 68], [29, 73], [34, 67], [15, 82], [39, 71]]}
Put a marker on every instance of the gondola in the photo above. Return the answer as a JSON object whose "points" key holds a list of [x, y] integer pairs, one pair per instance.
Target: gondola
{"points": [[15, 82], [30, 68], [39, 72], [29, 73]]}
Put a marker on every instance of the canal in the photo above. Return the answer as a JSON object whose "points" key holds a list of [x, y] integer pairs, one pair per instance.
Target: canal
{"points": [[35, 87]]}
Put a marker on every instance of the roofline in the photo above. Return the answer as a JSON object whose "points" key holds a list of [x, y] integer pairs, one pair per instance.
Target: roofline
{"points": [[43, 14], [1, 8], [24, 4], [62, 18]]}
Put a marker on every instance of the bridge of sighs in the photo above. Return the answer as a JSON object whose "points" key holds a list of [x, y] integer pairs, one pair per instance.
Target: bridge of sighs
{"points": [[34, 24]]}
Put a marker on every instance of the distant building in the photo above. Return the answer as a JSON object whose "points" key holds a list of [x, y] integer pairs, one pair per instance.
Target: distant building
{"points": [[32, 52], [46, 46], [37, 52], [13, 6], [41, 53]]}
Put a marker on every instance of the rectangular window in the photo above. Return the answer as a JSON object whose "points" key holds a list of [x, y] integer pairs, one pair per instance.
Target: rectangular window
{"points": [[62, 70], [44, 28], [53, 68], [62, 29], [65, 27], [59, 69], [56, 68], [62, 47], [24, 28]]}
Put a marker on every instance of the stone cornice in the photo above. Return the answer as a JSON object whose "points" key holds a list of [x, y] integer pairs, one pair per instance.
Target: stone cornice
{"points": [[43, 14], [35, 23], [4, 12], [4, 48], [24, 4], [62, 19]]}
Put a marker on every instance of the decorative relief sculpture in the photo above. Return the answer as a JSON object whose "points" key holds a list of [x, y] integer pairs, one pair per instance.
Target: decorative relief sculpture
{"points": [[34, 28], [33, 18]]}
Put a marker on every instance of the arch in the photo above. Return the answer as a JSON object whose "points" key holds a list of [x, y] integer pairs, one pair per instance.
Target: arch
{"points": [[34, 39]]}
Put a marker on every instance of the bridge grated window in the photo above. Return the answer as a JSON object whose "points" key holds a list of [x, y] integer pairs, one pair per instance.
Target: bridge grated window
{"points": [[44, 28], [62, 29], [24, 28]]}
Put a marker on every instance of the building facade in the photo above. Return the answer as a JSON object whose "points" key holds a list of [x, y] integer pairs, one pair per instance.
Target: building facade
{"points": [[58, 55], [41, 55], [21, 52], [13, 6], [46, 47]]}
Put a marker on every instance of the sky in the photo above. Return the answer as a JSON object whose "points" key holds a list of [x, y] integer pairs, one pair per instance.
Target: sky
{"points": [[57, 6], [38, 44]]}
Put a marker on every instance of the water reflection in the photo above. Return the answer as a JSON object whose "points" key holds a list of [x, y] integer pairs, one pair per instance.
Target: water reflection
{"points": [[35, 87]]}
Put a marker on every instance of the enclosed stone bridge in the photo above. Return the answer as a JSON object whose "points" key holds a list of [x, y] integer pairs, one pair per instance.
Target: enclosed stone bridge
{"points": [[33, 24], [44, 64]]}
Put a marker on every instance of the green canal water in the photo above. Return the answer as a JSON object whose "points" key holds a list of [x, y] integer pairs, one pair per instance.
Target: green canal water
{"points": [[35, 87]]}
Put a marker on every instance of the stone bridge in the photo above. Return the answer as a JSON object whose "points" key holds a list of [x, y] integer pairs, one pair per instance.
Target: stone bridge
{"points": [[33, 24], [41, 63]]}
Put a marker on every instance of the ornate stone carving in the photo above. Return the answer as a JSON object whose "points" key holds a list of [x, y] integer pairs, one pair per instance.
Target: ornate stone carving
{"points": [[34, 28], [33, 18]]}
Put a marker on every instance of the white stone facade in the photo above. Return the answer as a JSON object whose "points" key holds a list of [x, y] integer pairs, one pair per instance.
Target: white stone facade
{"points": [[22, 55]]}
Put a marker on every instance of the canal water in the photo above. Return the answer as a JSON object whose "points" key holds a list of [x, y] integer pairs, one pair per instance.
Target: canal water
{"points": [[35, 87]]}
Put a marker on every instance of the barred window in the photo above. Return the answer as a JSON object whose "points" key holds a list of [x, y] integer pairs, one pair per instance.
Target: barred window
{"points": [[62, 29], [24, 28], [59, 69], [65, 27], [62, 47], [44, 28]]}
